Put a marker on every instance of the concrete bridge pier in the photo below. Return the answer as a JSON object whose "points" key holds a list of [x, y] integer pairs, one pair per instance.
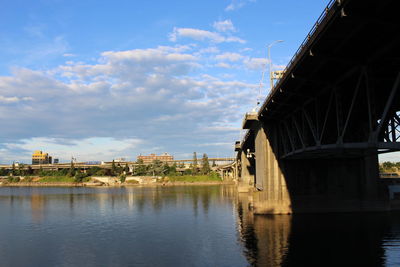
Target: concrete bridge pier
{"points": [[246, 173], [335, 185], [272, 196], [342, 181]]}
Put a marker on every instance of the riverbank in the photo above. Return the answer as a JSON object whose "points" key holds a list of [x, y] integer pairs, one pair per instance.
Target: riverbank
{"points": [[55, 184], [110, 181]]}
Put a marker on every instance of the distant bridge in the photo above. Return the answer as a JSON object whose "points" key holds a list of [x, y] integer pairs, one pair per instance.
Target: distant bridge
{"points": [[313, 145]]}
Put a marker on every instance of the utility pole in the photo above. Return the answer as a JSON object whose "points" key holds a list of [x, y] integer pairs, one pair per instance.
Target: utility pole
{"points": [[270, 62]]}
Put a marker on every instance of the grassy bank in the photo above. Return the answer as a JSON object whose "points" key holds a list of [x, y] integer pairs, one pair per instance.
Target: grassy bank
{"points": [[73, 181], [193, 178], [45, 179], [56, 179]]}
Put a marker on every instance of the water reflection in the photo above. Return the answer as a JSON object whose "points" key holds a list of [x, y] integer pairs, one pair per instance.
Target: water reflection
{"points": [[181, 226], [371, 239], [37, 207], [133, 226], [265, 238]]}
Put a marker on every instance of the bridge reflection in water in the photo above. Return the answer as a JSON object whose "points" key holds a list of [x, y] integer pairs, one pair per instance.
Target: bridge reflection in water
{"points": [[371, 239]]}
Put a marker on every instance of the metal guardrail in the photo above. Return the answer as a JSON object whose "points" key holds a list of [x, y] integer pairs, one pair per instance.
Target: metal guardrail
{"points": [[303, 44]]}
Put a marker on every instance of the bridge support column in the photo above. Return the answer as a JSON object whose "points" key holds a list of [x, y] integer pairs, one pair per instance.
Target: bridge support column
{"points": [[374, 195], [272, 196], [246, 180], [347, 184]]}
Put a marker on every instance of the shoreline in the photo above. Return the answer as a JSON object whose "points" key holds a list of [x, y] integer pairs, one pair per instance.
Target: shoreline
{"points": [[94, 185]]}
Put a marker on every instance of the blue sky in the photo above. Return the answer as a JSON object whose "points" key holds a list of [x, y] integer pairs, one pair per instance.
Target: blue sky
{"points": [[99, 80]]}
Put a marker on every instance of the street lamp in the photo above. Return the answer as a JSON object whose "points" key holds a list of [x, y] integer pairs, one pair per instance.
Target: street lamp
{"points": [[270, 62]]}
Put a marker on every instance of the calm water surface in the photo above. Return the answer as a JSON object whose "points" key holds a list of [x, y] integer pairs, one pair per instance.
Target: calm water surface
{"points": [[181, 226]]}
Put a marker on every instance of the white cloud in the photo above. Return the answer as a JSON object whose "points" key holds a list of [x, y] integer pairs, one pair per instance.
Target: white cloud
{"points": [[69, 55], [246, 49], [224, 26], [156, 95], [12, 99], [145, 55], [202, 35], [209, 50], [237, 4], [87, 149], [229, 57], [224, 144], [255, 63], [224, 65]]}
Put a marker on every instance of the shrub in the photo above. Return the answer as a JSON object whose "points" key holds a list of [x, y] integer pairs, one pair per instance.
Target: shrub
{"points": [[28, 179], [80, 177], [13, 179]]}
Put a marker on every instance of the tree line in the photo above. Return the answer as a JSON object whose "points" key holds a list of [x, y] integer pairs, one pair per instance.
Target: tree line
{"points": [[156, 168], [388, 166]]}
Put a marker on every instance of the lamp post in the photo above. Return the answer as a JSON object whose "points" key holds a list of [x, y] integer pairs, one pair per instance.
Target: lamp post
{"points": [[270, 63]]}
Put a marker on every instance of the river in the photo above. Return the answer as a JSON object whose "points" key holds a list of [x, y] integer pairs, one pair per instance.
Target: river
{"points": [[181, 226]]}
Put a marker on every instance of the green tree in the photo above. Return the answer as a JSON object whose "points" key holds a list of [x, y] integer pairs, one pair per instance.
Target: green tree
{"points": [[165, 169], [126, 168], [79, 177], [172, 169], [93, 170], [214, 164], [3, 172], [21, 170], [13, 170], [120, 169], [195, 163], [205, 165], [113, 168], [41, 171], [188, 171], [388, 166], [140, 168], [155, 168], [71, 171], [30, 170]]}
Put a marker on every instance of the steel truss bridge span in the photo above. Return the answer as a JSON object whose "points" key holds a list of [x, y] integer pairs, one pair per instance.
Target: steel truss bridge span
{"points": [[340, 92]]}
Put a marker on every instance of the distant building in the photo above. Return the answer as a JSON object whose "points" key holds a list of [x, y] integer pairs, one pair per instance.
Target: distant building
{"points": [[152, 157], [55, 161], [120, 160], [38, 157]]}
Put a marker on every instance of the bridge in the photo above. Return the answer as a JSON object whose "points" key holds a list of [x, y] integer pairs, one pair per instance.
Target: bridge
{"points": [[313, 144]]}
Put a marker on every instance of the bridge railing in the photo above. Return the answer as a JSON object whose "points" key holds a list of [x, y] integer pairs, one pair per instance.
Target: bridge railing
{"points": [[303, 44]]}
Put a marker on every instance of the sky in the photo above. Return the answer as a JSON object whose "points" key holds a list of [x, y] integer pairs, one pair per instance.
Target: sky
{"points": [[98, 80]]}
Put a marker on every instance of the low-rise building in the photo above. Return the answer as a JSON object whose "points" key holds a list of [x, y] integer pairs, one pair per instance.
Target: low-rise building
{"points": [[165, 157], [38, 157]]}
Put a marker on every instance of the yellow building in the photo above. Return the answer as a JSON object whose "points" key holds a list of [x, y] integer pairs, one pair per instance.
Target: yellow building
{"points": [[38, 157]]}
